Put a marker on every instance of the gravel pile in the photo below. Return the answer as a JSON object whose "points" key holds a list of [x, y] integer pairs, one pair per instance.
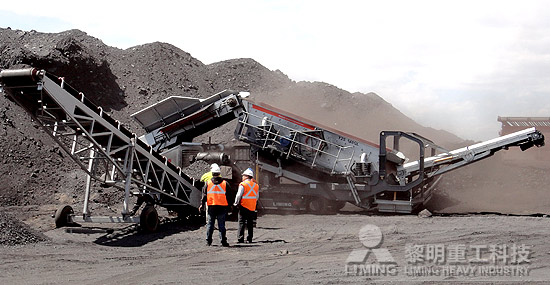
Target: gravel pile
{"points": [[15, 232]]}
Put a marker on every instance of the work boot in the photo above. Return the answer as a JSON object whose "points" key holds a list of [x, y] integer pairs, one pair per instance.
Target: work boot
{"points": [[224, 239], [208, 243], [240, 241]]}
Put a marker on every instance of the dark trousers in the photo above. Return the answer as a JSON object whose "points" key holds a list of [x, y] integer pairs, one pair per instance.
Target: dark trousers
{"points": [[246, 218], [216, 213]]}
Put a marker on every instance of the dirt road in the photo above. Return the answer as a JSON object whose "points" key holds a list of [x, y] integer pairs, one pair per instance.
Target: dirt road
{"points": [[288, 249]]}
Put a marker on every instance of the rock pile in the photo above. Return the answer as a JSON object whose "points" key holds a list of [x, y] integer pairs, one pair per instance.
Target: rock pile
{"points": [[15, 232]]}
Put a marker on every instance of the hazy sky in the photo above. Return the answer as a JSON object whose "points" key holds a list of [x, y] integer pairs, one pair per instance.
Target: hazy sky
{"points": [[453, 65]]}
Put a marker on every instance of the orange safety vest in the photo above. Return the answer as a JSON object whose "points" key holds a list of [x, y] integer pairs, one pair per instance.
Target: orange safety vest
{"points": [[250, 194], [215, 194]]}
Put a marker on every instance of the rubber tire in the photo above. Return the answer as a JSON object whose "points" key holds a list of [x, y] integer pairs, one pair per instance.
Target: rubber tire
{"points": [[149, 219], [317, 205], [62, 216]]}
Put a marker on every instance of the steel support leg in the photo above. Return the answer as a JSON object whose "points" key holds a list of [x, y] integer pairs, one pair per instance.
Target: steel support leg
{"points": [[85, 211], [128, 172]]}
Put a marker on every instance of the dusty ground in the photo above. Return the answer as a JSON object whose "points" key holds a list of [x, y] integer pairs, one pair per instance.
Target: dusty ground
{"points": [[287, 250]]}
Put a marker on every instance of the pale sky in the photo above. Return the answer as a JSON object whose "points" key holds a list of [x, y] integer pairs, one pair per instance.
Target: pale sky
{"points": [[452, 65]]}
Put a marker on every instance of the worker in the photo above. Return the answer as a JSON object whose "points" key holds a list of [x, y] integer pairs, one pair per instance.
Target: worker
{"points": [[214, 195], [204, 179], [208, 175], [246, 199]]}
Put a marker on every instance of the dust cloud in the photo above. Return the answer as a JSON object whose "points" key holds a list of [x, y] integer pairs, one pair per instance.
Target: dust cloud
{"points": [[497, 184]]}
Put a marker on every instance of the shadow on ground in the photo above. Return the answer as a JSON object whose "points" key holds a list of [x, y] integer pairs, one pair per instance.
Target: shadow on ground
{"points": [[132, 236]]}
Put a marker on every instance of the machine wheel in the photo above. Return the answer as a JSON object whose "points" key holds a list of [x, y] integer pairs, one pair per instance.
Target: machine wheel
{"points": [[62, 216], [149, 219], [317, 205]]}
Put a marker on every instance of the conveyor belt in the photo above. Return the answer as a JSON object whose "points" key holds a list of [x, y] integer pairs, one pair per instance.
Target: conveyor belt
{"points": [[99, 144]]}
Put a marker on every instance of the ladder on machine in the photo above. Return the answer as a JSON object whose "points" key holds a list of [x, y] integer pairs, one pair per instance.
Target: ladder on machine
{"points": [[101, 146]]}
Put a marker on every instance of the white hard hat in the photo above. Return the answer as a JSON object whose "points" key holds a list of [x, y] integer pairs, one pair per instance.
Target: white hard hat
{"points": [[214, 168], [248, 172]]}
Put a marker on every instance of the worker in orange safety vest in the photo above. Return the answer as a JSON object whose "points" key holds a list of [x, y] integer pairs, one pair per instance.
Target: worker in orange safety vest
{"points": [[246, 199], [214, 195], [205, 178]]}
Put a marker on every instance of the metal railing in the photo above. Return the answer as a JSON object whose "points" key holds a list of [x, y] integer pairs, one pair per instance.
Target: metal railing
{"points": [[293, 142]]}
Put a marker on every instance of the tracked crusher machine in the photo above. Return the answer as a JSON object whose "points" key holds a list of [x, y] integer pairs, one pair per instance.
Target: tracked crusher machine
{"points": [[300, 164]]}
